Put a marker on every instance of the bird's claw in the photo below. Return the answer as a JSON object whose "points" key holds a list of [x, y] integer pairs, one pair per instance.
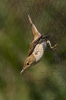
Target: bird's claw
{"points": [[54, 47]]}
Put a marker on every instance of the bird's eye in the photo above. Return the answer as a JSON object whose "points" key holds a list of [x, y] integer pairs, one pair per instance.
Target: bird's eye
{"points": [[27, 63]]}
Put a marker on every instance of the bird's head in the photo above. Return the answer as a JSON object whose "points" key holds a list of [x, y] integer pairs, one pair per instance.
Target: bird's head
{"points": [[30, 60]]}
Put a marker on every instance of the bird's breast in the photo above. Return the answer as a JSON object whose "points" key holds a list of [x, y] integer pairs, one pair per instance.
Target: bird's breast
{"points": [[39, 50]]}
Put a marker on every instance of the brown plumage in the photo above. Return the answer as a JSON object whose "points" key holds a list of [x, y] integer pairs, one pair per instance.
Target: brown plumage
{"points": [[37, 47]]}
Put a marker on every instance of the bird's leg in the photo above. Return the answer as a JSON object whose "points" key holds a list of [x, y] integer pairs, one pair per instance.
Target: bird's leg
{"points": [[52, 47]]}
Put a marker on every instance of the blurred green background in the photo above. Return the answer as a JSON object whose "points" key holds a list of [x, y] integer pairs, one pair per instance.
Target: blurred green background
{"points": [[47, 79]]}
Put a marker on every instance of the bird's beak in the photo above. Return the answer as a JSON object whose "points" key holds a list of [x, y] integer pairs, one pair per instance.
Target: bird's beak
{"points": [[21, 71]]}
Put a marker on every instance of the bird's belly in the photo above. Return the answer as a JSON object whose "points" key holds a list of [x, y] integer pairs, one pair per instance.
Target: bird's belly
{"points": [[39, 51]]}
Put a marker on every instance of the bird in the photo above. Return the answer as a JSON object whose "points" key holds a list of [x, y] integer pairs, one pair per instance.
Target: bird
{"points": [[37, 47]]}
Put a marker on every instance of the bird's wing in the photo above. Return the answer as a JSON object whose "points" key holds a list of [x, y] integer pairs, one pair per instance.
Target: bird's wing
{"points": [[36, 34], [37, 41], [32, 46]]}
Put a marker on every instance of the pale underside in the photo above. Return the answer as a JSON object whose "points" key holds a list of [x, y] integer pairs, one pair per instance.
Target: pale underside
{"points": [[39, 50]]}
